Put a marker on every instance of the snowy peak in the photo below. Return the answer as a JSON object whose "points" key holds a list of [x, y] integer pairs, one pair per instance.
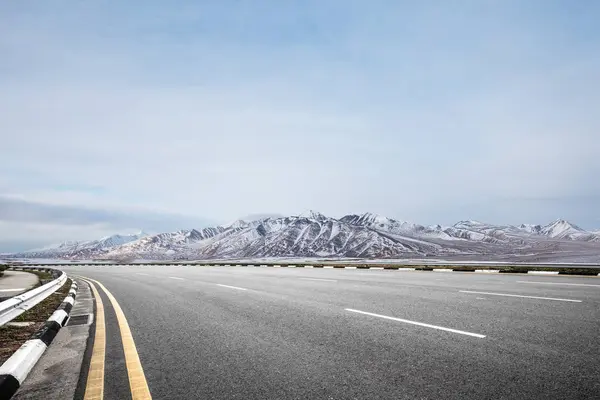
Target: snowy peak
{"points": [[239, 224], [468, 224], [529, 228], [117, 240], [562, 229], [370, 220], [314, 215]]}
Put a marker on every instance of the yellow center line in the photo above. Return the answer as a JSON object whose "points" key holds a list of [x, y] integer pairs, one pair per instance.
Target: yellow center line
{"points": [[94, 388], [137, 379]]}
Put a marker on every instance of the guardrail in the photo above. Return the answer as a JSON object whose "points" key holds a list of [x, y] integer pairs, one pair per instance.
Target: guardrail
{"points": [[15, 306], [470, 266]]}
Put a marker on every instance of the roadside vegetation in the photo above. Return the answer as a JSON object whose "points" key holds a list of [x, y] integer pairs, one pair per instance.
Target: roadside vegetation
{"points": [[43, 276]]}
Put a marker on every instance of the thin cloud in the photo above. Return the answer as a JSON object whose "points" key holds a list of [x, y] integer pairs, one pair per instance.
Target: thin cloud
{"points": [[26, 212], [418, 112]]}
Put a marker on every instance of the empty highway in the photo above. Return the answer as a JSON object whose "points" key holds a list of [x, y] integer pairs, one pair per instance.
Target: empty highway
{"points": [[297, 333]]}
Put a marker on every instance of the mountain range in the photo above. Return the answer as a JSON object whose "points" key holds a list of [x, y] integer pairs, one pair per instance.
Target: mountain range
{"points": [[313, 234]]}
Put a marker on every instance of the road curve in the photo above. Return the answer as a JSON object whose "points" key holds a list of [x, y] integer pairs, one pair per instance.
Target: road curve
{"points": [[284, 333]]}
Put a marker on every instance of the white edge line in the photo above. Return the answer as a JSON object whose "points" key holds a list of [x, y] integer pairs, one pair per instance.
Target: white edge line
{"points": [[12, 290], [230, 287], [441, 328], [175, 277], [522, 296]]}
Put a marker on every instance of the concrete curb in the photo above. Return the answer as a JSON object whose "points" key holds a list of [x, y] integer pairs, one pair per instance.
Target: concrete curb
{"points": [[15, 370]]}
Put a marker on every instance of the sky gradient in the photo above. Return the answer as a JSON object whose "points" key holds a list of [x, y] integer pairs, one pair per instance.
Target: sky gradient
{"points": [[121, 116]]}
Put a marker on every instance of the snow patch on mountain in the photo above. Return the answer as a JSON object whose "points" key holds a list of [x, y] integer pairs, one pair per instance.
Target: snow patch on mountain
{"points": [[529, 228]]}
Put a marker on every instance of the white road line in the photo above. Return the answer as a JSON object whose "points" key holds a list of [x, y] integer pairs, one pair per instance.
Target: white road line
{"points": [[230, 287], [319, 279], [11, 290], [175, 277], [406, 321], [559, 283], [542, 272], [525, 297], [140, 273]]}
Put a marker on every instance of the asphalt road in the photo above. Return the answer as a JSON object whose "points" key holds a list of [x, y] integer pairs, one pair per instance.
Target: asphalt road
{"points": [[292, 333], [13, 283]]}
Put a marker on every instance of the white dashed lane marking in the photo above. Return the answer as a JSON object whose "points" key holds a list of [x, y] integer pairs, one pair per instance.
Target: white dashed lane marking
{"points": [[231, 287], [406, 321], [520, 296]]}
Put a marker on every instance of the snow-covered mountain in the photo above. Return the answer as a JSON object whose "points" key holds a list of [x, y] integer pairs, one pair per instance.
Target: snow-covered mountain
{"points": [[164, 245], [83, 249], [312, 234], [562, 229]]}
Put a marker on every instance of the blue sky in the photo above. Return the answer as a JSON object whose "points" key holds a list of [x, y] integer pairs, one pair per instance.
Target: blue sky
{"points": [[164, 115]]}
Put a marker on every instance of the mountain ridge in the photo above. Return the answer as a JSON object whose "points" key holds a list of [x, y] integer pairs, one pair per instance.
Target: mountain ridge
{"points": [[312, 234]]}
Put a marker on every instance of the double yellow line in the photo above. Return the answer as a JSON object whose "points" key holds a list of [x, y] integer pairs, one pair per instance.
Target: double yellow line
{"points": [[95, 383]]}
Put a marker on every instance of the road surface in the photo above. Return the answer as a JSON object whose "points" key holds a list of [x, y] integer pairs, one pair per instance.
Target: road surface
{"points": [[13, 283], [291, 333]]}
